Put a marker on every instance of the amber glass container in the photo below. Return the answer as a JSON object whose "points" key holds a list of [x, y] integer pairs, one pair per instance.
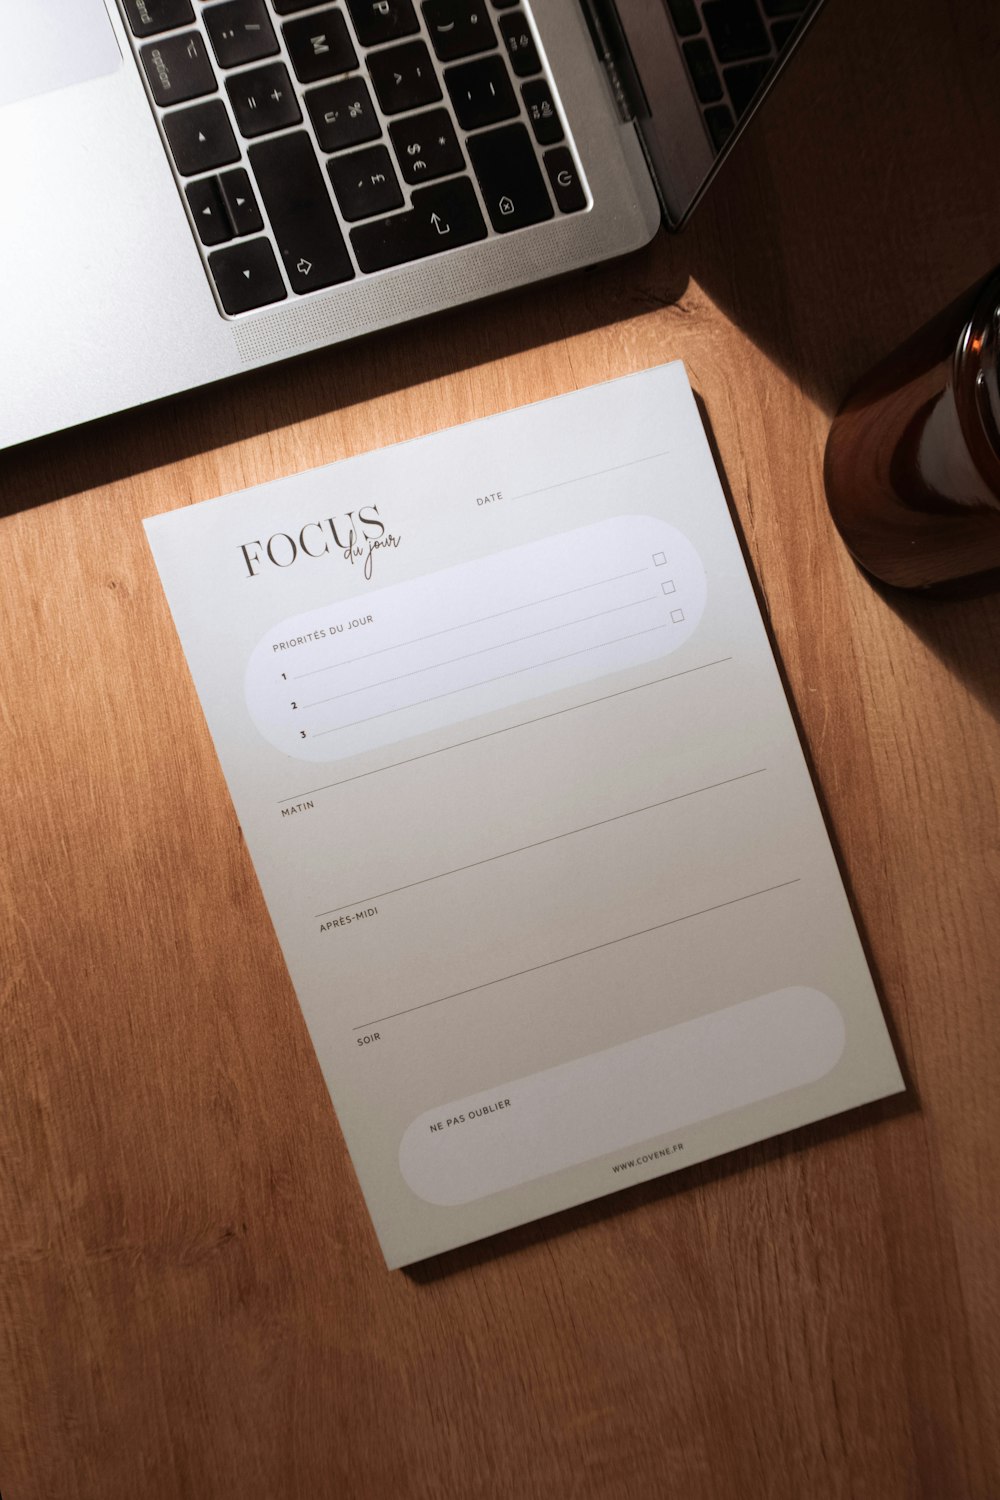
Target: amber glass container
{"points": [[913, 458]]}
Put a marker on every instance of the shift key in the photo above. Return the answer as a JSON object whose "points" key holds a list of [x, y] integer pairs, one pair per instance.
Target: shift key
{"points": [[298, 205], [443, 215]]}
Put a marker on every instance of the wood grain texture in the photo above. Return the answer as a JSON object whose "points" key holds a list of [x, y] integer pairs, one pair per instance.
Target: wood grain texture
{"points": [[192, 1301]]}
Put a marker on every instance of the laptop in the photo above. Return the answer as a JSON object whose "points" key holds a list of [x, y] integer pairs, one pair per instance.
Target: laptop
{"points": [[192, 190]]}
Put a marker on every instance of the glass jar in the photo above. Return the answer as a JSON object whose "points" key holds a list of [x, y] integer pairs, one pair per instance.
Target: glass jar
{"points": [[912, 464]]}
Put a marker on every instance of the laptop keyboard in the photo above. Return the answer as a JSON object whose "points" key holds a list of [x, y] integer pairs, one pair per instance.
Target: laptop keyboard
{"points": [[319, 143], [729, 48]]}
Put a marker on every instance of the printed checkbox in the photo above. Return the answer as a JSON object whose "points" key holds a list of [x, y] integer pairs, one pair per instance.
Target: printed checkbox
{"points": [[677, 615], [668, 586], [659, 559]]}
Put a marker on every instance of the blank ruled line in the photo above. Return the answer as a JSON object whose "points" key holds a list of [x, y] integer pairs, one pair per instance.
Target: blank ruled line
{"points": [[594, 474], [468, 655], [467, 625], [490, 734], [539, 843], [486, 681], [580, 953]]}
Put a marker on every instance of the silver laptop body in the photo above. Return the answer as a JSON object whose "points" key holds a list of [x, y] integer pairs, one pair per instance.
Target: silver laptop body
{"points": [[107, 293]]}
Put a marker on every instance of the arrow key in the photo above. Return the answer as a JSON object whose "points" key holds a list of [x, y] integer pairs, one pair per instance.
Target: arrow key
{"points": [[241, 205], [247, 276], [208, 211], [200, 138]]}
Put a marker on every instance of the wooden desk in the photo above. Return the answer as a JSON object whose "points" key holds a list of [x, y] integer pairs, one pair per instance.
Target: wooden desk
{"points": [[192, 1303]]}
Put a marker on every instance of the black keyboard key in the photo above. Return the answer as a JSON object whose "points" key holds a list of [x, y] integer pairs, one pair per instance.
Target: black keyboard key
{"points": [[404, 77], [684, 14], [208, 211], [457, 28], [426, 146], [201, 138], [263, 100], [378, 21], [784, 7], [319, 46], [707, 84], [520, 44], [247, 276], [736, 29], [240, 32], [178, 68], [343, 114], [509, 178], [148, 17], [443, 215], [720, 125], [542, 112], [305, 226], [564, 179], [481, 92], [743, 82], [241, 205], [503, 4], [365, 183], [289, 7]]}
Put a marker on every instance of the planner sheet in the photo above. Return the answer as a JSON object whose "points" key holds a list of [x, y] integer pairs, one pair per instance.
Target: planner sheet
{"points": [[505, 735]]}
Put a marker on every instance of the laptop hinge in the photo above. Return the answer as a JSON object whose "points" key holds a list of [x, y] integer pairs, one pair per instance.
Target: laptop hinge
{"points": [[613, 53]]}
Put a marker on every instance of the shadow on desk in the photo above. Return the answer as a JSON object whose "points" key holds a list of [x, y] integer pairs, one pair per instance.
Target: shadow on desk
{"points": [[961, 626], [863, 197]]}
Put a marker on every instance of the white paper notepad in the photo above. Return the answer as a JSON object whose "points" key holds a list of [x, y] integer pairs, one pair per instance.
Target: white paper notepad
{"points": [[505, 735]]}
